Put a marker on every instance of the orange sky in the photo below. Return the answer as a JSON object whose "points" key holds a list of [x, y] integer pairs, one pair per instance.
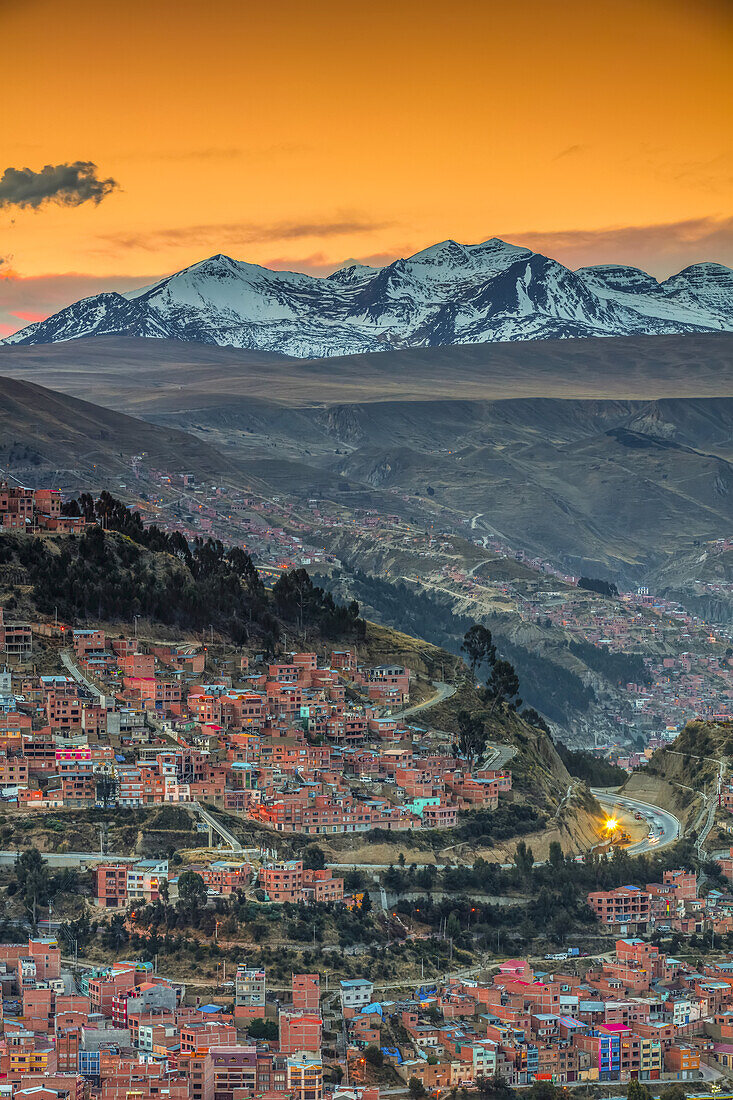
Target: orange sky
{"points": [[299, 133]]}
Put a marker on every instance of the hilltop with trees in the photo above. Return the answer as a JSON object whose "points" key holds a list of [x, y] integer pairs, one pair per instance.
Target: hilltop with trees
{"points": [[118, 570]]}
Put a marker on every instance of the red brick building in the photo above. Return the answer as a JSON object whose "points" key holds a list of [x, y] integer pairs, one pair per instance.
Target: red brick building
{"points": [[627, 907], [299, 1031], [306, 992]]}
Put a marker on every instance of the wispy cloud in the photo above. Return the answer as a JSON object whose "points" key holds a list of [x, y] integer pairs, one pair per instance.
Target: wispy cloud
{"points": [[30, 316], [63, 184], [219, 152], [571, 151], [662, 248], [318, 263], [217, 235]]}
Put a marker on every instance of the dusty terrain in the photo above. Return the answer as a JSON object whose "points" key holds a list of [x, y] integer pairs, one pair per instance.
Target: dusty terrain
{"points": [[608, 455]]}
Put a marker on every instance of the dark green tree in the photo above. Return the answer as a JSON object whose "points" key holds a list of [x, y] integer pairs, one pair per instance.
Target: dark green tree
{"points": [[638, 1091], [116, 935], [314, 858], [34, 881], [471, 739], [453, 926], [557, 859], [502, 684], [192, 893], [262, 1029], [493, 1088], [524, 858], [478, 647]]}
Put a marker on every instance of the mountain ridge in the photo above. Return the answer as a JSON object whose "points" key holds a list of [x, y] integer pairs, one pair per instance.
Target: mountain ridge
{"points": [[446, 294]]}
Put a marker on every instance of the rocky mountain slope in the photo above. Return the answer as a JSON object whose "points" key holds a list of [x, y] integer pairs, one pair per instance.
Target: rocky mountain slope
{"points": [[701, 579], [447, 294]]}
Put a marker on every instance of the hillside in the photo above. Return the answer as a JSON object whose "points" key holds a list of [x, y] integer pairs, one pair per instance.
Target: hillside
{"points": [[602, 454], [116, 575], [107, 578], [683, 778], [701, 579], [43, 432]]}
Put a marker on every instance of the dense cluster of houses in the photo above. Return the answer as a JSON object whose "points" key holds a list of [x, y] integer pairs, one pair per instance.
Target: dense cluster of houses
{"points": [[673, 905], [35, 510], [692, 677], [118, 1030], [639, 1015], [298, 745], [121, 882]]}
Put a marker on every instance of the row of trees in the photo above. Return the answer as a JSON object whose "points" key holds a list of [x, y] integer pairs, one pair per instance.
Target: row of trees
{"points": [[594, 584], [299, 600], [561, 872], [236, 913], [496, 1088]]}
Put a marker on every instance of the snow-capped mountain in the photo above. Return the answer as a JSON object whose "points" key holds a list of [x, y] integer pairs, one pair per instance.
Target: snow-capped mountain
{"points": [[447, 294]]}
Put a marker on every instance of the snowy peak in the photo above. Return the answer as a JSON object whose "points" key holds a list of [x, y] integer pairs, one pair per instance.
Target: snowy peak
{"points": [[619, 277], [449, 293], [704, 289], [703, 275], [351, 273]]}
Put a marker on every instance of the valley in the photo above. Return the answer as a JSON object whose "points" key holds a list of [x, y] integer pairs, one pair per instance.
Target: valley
{"points": [[606, 456], [366, 594], [492, 505]]}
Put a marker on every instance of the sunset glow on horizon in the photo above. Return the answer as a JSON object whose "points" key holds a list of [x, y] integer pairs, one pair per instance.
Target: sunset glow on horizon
{"points": [[299, 136]]}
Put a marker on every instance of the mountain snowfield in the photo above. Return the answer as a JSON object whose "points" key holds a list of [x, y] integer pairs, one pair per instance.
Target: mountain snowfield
{"points": [[447, 294]]}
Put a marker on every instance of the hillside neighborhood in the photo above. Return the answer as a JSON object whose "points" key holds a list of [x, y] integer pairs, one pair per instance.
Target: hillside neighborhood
{"points": [[261, 749]]}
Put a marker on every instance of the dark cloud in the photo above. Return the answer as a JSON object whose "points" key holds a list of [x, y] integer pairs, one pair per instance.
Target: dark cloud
{"points": [[64, 184], [216, 236]]}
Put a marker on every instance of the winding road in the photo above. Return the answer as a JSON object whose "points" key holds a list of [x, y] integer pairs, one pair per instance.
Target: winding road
{"points": [[664, 827], [442, 691]]}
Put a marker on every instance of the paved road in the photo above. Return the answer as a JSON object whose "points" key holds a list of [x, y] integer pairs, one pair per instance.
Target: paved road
{"points": [[712, 801], [68, 859], [500, 757], [442, 691], [664, 825], [76, 673]]}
